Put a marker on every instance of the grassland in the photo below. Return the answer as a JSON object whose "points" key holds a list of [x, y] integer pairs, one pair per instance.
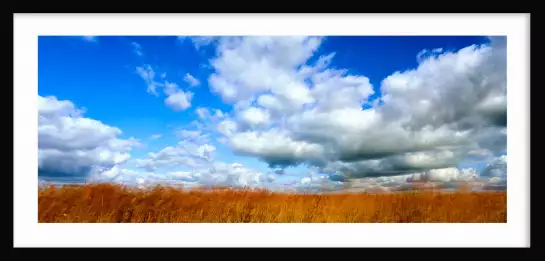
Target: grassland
{"points": [[113, 204]]}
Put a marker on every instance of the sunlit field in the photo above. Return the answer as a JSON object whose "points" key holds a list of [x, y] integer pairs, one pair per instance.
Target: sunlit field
{"points": [[115, 204]]}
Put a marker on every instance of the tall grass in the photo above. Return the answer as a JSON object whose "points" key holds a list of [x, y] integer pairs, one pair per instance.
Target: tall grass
{"points": [[112, 204]]}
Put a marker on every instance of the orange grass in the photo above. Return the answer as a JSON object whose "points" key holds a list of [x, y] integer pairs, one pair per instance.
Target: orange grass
{"points": [[113, 204]]}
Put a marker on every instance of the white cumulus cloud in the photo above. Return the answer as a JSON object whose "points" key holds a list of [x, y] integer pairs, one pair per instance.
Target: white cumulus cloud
{"points": [[70, 145], [192, 81], [179, 100], [290, 110]]}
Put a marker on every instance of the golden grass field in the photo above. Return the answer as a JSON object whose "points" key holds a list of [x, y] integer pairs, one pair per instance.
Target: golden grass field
{"points": [[114, 204]]}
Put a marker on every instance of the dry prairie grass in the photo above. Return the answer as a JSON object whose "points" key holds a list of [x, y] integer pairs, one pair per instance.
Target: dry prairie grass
{"points": [[114, 204]]}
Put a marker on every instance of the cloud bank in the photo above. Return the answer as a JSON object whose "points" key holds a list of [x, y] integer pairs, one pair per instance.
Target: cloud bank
{"points": [[292, 107], [73, 146], [291, 111]]}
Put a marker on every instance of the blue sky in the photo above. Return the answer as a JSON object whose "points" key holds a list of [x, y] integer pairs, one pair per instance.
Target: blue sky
{"points": [[102, 75]]}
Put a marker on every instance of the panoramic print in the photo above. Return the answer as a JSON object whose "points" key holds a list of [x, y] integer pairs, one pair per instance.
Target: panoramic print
{"points": [[272, 129]]}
